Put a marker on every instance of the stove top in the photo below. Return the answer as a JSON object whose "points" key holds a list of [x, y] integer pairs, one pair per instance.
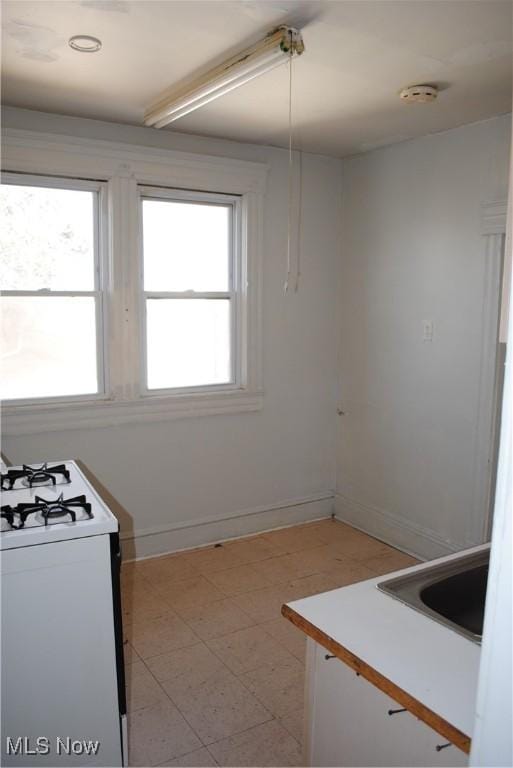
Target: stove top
{"points": [[50, 502], [15, 478], [44, 512]]}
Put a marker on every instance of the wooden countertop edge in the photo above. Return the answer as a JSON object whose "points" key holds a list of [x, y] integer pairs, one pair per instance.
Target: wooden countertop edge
{"points": [[414, 706]]}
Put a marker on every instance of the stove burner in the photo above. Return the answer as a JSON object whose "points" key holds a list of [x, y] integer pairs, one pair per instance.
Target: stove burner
{"points": [[31, 476], [48, 509], [63, 506], [8, 513]]}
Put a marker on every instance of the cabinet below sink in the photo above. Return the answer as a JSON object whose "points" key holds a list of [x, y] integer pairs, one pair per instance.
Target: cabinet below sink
{"points": [[352, 723], [387, 685]]}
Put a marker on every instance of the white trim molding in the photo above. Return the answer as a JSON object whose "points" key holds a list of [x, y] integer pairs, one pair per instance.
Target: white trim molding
{"points": [[45, 153], [399, 532], [493, 229], [174, 537], [34, 419], [493, 217], [124, 167], [491, 740]]}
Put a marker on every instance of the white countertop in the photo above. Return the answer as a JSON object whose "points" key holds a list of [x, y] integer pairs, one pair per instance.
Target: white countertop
{"points": [[432, 663]]}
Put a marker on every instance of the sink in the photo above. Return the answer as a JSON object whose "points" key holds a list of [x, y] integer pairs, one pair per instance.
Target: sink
{"points": [[452, 593]]}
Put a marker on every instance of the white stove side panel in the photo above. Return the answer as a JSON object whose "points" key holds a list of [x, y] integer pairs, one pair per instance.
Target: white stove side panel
{"points": [[58, 653]]}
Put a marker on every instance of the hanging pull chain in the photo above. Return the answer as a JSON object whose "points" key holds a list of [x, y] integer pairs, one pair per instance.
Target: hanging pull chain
{"points": [[299, 210], [289, 219]]}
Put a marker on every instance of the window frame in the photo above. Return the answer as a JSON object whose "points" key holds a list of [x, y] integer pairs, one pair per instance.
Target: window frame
{"points": [[233, 294], [100, 281], [122, 167]]}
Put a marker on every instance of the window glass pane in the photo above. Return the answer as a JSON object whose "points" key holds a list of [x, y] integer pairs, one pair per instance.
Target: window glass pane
{"points": [[48, 346], [186, 246], [46, 238], [188, 342]]}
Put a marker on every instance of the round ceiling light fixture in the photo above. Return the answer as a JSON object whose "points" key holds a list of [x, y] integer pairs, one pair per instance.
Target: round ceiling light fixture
{"points": [[419, 94], [85, 43]]}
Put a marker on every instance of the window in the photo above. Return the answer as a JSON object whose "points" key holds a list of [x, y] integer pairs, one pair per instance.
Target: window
{"points": [[129, 299], [51, 305], [191, 274]]}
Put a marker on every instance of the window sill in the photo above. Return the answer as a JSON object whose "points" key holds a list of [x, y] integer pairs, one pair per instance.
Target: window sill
{"points": [[32, 419]]}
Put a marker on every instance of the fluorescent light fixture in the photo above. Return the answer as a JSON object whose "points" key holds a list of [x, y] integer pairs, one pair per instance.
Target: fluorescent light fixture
{"points": [[275, 49]]}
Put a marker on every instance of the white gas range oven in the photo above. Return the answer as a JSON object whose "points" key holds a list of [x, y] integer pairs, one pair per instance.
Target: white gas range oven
{"points": [[62, 675]]}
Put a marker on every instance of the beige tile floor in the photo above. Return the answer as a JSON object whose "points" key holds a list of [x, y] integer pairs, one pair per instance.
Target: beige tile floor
{"points": [[214, 673]]}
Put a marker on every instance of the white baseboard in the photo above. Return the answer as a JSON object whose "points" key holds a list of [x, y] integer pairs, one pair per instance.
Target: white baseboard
{"points": [[200, 532], [400, 533]]}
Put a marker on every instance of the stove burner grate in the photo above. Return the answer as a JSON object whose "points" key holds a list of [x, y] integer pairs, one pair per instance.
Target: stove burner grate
{"points": [[48, 508], [34, 476]]}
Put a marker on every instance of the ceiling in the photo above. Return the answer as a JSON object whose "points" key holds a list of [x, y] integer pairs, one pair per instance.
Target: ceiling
{"points": [[359, 54]]}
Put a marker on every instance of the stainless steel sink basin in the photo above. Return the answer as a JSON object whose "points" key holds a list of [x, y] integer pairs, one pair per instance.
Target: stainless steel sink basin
{"points": [[451, 593]]}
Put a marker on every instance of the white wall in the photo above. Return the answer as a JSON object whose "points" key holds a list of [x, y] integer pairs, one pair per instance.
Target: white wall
{"points": [[413, 252], [405, 452], [184, 471], [492, 743], [492, 740]]}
